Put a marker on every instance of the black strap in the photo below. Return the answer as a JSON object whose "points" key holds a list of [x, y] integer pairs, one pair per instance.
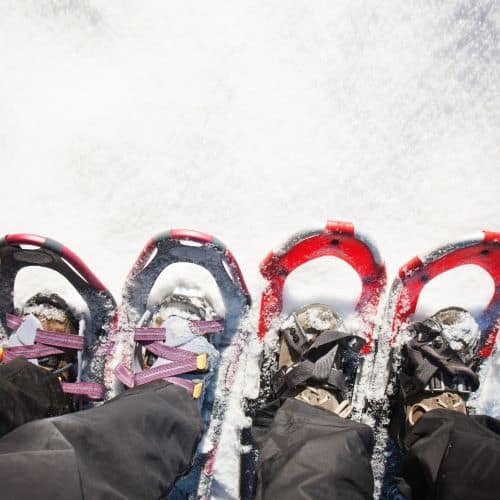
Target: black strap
{"points": [[435, 363]]}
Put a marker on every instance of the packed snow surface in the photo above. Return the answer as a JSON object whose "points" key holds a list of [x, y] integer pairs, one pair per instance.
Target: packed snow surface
{"points": [[251, 120]]}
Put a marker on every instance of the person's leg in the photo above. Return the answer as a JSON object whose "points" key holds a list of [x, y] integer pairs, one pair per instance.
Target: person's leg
{"points": [[310, 452], [448, 454], [133, 446], [308, 446], [451, 456], [27, 393]]}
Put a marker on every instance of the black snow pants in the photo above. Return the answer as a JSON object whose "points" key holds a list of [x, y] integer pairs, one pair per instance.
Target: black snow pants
{"points": [[309, 453], [132, 447], [136, 445], [452, 456]]}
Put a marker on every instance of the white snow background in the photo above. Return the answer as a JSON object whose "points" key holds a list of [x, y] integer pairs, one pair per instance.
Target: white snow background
{"points": [[251, 120]]}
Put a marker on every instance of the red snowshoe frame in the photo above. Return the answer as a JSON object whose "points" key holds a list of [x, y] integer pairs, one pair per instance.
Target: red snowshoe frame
{"points": [[482, 250], [338, 239], [18, 251]]}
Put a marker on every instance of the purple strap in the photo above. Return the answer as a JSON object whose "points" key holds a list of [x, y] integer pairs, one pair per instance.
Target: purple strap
{"points": [[29, 352], [170, 353], [90, 390], [147, 334], [65, 340], [183, 382], [13, 321], [124, 375], [127, 378], [202, 327], [165, 371]]}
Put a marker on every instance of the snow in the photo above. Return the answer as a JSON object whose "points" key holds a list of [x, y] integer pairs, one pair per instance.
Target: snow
{"points": [[250, 121]]}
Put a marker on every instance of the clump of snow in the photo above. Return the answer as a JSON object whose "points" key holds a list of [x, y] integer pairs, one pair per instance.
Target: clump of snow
{"points": [[463, 335], [45, 311], [182, 278]]}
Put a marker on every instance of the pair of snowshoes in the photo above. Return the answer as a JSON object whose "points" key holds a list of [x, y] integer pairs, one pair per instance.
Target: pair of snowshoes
{"points": [[382, 369], [175, 334]]}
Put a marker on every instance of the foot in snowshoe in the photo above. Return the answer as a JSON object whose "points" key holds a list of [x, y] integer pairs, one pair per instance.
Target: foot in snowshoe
{"points": [[45, 314], [317, 360], [438, 366], [175, 343]]}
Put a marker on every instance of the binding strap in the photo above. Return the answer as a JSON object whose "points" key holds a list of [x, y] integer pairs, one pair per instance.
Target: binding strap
{"points": [[437, 367], [201, 327], [58, 339], [317, 364], [49, 343], [13, 321], [181, 362], [89, 390], [34, 351]]}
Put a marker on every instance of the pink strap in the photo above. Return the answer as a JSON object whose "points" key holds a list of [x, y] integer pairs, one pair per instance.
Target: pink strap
{"points": [[29, 352], [182, 382], [127, 378], [13, 321], [165, 371], [90, 390], [124, 375], [58, 339], [148, 334], [202, 327], [170, 353]]}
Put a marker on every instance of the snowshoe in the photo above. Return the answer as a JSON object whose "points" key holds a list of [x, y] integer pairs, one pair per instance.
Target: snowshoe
{"points": [[46, 330], [181, 338], [311, 355], [437, 363]]}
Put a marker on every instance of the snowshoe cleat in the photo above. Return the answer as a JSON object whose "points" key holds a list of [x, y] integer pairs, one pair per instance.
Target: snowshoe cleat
{"points": [[340, 240], [46, 330], [180, 338], [438, 362]]}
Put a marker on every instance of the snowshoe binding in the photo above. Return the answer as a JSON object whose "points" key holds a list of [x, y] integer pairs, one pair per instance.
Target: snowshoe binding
{"points": [[438, 367]]}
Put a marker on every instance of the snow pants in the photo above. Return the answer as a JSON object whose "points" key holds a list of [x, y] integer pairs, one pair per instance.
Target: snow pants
{"points": [[452, 456], [136, 445], [132, 447], [309, 453]]}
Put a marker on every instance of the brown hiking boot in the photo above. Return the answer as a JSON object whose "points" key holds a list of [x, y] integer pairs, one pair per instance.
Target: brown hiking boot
{"points": [[438, 366], [55, 315], [310, 364]]}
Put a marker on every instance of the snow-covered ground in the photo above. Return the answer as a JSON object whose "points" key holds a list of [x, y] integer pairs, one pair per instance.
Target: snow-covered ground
{"points": [[251, 120]]}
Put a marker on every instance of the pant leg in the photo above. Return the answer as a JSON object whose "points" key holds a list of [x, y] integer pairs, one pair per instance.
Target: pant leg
{"points": [[452, 456], [132, 447], [27, 392], [311, 453]]}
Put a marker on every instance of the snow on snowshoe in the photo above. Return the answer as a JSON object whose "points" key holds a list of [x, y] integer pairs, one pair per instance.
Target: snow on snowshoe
{"points": [[179, 337], [46, 329], [436, 363], [312, 355]]}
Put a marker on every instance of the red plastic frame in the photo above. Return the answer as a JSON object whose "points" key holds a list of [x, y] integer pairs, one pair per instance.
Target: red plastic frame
{"points": [[338, 239], [67, 254], [416, 274]]}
